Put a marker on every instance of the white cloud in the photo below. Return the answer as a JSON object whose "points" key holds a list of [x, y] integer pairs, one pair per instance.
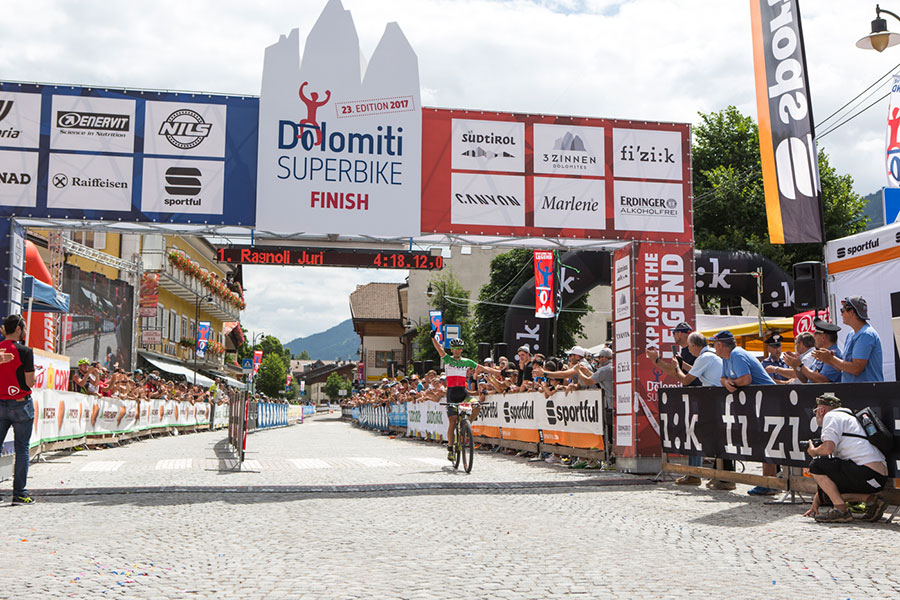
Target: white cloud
{"points": [[631, 59]]}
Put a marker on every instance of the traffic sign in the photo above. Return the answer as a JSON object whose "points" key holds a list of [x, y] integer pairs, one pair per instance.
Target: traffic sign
{"points": [[246, 365]]}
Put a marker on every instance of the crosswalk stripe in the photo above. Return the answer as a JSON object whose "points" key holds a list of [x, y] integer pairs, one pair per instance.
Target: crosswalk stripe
{"points": [[310, 463], [371, 461], [103, 465], [174, 463]]}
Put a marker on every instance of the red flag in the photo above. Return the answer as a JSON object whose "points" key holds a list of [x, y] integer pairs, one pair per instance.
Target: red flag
{"points": [[544, 293]]}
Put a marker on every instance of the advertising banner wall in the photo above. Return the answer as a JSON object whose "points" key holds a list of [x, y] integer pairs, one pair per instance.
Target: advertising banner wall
{"points": [[511, 174], [574, 420], [544, 287], [623, 350], [270, 414], [51, 371], [786, 135], [426, 420], [339, 143], [764, 423], [123, 155]]}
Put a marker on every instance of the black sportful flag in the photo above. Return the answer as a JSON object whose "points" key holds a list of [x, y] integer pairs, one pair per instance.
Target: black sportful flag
{"points": [[786, 137]]}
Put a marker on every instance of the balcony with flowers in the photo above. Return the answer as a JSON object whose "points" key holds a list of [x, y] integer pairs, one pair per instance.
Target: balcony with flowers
{"points": [[188, 280]]}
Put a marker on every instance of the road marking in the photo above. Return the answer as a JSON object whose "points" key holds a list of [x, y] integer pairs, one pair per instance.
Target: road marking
{"points": [[103, 465], [251, 465], [310, 463], [440, 462], [174, 463], [371, 461]]}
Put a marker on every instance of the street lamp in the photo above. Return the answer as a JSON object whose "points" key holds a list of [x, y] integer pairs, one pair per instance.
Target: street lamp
{"points": [[430, 292], [880, 38], [197, 328]]}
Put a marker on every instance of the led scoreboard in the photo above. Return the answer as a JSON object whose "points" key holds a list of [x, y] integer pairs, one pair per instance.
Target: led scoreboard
{"points": [[329, 257]]}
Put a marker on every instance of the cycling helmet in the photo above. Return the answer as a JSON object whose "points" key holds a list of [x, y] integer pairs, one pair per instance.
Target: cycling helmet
{"points": [[83, 361], [457, 343]]}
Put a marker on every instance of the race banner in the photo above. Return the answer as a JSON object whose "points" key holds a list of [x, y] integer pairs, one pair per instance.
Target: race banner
{"points": [[149, 294], [663, 297], [787, 144], [426, 420], [764, 423], [51, 371], [257, 360], [437, 324], [204, 332], [339, 148], [544, 286], [892, 147]]}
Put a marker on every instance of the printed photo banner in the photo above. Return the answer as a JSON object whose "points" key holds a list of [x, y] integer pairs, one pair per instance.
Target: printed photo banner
{"points": [[510, 174], [149, 294], [544, 285], [763, 423]]}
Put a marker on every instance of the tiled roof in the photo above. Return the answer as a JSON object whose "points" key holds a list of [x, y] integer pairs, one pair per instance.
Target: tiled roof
{"points": [[375, 301]]}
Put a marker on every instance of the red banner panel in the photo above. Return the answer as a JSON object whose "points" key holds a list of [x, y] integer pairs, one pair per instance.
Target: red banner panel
{"points": [[544, 287], [523, 175]]}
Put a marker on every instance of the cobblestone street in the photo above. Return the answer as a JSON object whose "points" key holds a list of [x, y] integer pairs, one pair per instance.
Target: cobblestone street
{"points": [[332, 511]]}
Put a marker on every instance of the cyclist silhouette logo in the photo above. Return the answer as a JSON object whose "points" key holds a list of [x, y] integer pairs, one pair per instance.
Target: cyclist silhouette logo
{"points": [[312, 105]]}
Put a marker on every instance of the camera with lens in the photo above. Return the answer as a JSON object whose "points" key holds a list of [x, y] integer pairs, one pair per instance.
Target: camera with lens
{"points": [[815, 442]]}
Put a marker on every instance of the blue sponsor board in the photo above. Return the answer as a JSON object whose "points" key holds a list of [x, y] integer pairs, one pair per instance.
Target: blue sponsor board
{"points": [[127, 155]]}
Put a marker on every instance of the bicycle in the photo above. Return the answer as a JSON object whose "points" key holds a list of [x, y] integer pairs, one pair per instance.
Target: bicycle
{"points": [[464, 441]]}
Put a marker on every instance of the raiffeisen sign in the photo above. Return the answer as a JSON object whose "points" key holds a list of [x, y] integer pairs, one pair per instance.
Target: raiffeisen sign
{"points": [[340, 141]]}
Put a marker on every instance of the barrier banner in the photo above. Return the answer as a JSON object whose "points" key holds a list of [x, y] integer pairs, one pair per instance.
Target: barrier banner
{"points": [[764, 423], [426, 420], [574, 420], [270, 414], [544, 292], [62, 415], [787, 144], [51, 371], [397, 416]]}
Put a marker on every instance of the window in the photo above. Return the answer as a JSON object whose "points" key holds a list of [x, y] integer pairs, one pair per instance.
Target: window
{"points": [[164, 317], [91, 239], [382, 357]]}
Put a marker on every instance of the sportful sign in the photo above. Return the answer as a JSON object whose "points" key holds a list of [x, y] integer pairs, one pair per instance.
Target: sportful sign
{"points": [[786, 136], [339, 149]]}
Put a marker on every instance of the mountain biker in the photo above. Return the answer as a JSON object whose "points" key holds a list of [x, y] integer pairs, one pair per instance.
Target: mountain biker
{"points": [[456, 368]]}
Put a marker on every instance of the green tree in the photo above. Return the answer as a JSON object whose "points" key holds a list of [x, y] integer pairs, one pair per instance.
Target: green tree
{"points": [[450, 297], [304, 355], [294, 392], [335, 383], [729, 203], [509, 272], [272, 375]]}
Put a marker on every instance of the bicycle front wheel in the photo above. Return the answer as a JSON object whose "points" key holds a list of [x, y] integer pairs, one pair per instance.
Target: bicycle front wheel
{"points": [[466, 445]]}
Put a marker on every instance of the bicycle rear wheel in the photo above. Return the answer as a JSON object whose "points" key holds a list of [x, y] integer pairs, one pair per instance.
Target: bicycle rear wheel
{"points": [[457, 451], [467, 445]]}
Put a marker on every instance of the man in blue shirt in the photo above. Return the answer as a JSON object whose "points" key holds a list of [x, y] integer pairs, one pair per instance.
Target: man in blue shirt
{"points": [[862, 360], [739, 368]]}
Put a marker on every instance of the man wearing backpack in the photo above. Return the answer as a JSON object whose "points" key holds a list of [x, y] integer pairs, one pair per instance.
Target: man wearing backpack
{"points": [[845, 465]]}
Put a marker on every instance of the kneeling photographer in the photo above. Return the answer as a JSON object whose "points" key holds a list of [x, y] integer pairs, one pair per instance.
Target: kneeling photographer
{"points": [[845, 465]]}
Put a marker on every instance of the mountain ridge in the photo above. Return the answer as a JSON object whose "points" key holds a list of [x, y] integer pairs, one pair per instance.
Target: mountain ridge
{"points": [[334, 343]]}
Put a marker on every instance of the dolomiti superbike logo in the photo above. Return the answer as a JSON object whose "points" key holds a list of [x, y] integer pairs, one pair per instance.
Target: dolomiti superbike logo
{"points": [[185, 129]]}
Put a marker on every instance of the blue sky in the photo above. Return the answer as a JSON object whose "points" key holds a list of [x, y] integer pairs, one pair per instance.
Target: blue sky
{"points": [[639, 59]]}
